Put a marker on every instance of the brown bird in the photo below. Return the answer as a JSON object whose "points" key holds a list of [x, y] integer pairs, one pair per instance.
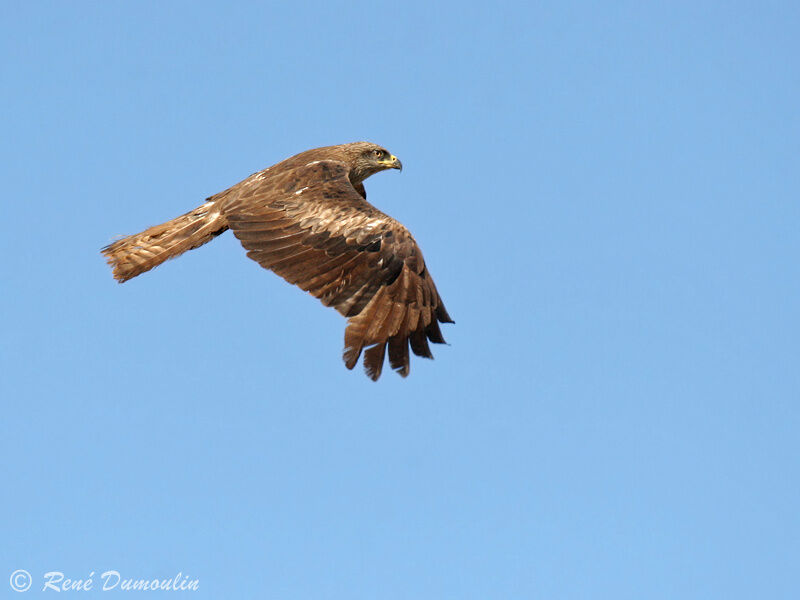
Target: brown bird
{"points": [[307, 219]]}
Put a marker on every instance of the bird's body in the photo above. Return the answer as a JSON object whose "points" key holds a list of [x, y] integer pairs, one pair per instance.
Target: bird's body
{"points": [[308, 220]]}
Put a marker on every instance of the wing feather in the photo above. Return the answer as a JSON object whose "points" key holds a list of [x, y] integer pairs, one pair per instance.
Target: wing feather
{"points": [[373, 360], [419, 343], [398, 354], [310, 225]]}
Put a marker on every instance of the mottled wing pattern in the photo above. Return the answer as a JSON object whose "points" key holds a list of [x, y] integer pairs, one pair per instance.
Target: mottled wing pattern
{"points": [[310, 226]]}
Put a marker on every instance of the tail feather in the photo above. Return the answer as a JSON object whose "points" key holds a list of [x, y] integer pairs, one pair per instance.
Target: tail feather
{"points": [[135, 254]]}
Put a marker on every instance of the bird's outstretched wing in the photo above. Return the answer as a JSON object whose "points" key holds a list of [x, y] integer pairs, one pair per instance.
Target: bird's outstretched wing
{"points": [[310, 226]]}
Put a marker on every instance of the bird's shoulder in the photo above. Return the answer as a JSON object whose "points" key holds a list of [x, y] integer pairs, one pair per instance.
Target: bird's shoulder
{"points": [[318, 197]]}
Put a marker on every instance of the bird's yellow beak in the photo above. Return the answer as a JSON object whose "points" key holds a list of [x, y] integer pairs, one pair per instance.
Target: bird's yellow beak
{"points": [[392, 163]]}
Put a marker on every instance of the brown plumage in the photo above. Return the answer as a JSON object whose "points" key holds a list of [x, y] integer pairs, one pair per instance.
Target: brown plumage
{"points": [[308, 220]]}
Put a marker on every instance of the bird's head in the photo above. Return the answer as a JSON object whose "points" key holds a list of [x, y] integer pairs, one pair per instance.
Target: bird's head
{"points": [[367, 159]]}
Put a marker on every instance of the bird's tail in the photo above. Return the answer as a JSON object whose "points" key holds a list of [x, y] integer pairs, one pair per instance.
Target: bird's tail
{"points": [[138, 253]]}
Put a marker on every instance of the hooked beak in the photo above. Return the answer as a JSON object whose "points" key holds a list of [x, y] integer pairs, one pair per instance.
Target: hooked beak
{"points": [[392, 163]]}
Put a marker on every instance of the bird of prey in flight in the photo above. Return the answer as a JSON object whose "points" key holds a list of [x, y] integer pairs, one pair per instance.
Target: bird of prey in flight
{"points": [[307, 219]]}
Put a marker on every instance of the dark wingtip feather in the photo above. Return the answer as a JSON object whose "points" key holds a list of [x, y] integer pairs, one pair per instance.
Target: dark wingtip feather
{"points": [[419, 344], [373, 360], [442, 315], [353, 344], [434, 333], [350, 356], [398, 355]]}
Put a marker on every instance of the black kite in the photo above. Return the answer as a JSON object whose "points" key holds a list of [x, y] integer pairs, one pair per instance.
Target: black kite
{"points": [[308, 220]]}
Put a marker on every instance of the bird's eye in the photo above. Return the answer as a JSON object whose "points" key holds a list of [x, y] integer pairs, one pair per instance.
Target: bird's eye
{"points": [[378, 153]]}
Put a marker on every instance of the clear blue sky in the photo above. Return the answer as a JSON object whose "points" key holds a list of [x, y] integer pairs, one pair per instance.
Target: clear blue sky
{"points": [[607, 196]]}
